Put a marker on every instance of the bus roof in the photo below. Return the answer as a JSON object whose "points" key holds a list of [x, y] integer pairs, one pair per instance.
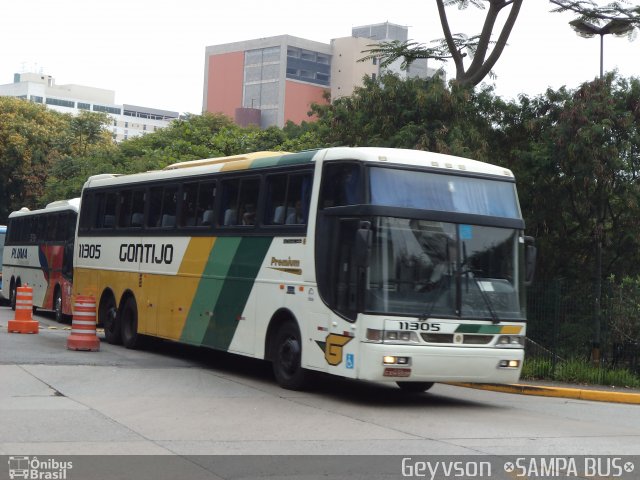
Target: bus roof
{"points": [[57, 206], [396, 156]]}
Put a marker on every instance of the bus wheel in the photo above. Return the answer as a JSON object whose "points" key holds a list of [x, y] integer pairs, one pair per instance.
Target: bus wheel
{"points": [[12, 294], [286, 357], [108, 316], [130, 337], [415, 387], [57, 305]]}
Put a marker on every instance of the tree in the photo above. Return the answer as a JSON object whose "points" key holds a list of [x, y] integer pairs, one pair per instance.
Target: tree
{"points": [[576, 155], [414, 113], [31, 139], [458, 47]]}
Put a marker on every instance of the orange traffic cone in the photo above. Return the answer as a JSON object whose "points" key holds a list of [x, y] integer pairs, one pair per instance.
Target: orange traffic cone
{"points": [[24, 322], [83, 325]]}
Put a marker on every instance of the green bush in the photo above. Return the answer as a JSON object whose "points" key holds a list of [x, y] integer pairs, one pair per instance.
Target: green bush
{"points": [[579, 371]]}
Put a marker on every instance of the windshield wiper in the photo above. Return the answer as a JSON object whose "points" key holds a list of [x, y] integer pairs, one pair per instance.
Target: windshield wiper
{"points": [[466, 271]]}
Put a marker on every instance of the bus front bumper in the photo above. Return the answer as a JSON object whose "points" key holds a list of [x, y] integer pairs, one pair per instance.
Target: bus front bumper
{"points": [[422, 363]]}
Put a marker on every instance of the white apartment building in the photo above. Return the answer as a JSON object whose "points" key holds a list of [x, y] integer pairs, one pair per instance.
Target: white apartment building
{"points": [[346, 69], [127, 120]]}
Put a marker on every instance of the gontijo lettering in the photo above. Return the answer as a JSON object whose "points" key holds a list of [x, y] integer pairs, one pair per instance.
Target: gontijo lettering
{"points": [[146, 253]]}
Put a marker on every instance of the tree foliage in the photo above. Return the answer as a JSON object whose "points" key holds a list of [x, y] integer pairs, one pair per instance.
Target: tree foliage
{"points": [[577, 158], [414, 113], [31, 139]]}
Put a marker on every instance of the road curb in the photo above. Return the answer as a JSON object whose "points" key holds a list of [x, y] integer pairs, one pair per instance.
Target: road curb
{"points": [[544, 391]]}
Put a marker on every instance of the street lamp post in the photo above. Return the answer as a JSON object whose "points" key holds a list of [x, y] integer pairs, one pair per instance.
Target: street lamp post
{"points": [[585, 29], [588, 30]]}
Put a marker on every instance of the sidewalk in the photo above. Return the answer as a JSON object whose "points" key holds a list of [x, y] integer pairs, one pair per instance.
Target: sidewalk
{"points": [[596, 393]]}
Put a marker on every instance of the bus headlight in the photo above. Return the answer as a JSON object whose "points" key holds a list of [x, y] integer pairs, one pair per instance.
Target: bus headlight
{"points": [[393, 360], [509, 364], [399, 336], [391, 336], [510, 341]]}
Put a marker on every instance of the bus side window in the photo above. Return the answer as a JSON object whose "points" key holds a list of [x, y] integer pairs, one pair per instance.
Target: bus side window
{"points": [[288, 197], [155, 207], [189, 208], [206, 196], [124, 208], [341, 185], [107, 211], [229, 210], [169, 207], [298, 199], [275, 211], [137, 208]]}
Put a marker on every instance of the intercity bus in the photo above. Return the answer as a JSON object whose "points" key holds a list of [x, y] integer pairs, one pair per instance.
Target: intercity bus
{"points": [[3, 234], [39, 253], [378, 264]]}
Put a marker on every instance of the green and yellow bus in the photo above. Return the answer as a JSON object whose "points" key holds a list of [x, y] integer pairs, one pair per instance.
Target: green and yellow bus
{"points": [[379, 264]]}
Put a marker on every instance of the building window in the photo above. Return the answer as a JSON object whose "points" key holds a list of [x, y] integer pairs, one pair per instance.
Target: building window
{"points": [[103, 108], [36, 99], [60, 103], [374, 60], [84, 106]]}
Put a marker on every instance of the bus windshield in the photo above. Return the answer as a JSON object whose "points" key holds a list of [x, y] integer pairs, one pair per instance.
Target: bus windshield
{"points": [[442, 192], [425, 268]]}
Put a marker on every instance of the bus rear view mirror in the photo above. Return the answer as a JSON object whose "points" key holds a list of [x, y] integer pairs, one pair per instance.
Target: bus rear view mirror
{"points": [[530, 254], [363, 244]]}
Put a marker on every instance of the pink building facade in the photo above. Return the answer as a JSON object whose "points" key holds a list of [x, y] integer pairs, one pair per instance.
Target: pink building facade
{"points": [[279, 76]]}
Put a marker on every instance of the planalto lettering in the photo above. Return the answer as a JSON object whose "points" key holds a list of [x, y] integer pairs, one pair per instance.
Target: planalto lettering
{"points": [[19, 253], [146, 253]]}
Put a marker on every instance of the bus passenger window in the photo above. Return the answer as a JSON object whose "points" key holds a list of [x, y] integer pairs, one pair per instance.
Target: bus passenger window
{"points": [[189, 205], [288, 197], [341, 185], [124, 211], [206, 196]]}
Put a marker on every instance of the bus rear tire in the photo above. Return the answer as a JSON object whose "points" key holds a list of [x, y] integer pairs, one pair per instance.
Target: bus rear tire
{"points": [[12, 295], [57, 306], [414, 387], [108, 316], [286, 357], [129, 324]]}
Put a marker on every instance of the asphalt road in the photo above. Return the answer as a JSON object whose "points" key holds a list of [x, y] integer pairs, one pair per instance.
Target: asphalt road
{"points": [[171, 399]]}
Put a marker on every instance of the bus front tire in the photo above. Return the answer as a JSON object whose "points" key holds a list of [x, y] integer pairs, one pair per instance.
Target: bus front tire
{"points": [[286, 358], [108, 316], [130, 337], [414, 387]]}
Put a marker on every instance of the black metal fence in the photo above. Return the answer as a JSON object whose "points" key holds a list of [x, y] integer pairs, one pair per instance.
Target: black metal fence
{"points": [[562, 342]]}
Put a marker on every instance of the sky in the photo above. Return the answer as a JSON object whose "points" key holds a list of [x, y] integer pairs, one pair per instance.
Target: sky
{"points": [[152, 52]]}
